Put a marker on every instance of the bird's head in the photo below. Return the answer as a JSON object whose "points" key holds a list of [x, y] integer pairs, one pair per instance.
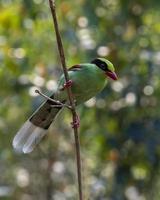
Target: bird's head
{"points": [[106, 66]]}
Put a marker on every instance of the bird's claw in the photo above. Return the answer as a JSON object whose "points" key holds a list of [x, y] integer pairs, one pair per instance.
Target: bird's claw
{"points": [[76, 122], [67, 84]]}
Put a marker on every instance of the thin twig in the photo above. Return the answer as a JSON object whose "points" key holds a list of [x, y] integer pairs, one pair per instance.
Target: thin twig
{"points": [[70, 96], [58, 103]]}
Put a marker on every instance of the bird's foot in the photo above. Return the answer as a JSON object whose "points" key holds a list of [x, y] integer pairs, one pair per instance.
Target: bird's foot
{"points": [[67, 84], [76, 122]]}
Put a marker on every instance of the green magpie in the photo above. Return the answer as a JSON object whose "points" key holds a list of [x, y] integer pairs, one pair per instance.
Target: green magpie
{"points": [[86, 80]]}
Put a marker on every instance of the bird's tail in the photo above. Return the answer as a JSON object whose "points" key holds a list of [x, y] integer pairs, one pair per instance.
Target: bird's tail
{"points": [[35, 128]]}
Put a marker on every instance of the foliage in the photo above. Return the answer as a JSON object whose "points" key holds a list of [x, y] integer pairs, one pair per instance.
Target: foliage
{"points": [[119, 128]]}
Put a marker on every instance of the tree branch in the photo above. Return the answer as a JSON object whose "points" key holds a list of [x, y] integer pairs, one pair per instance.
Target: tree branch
{"points": [[70, 96]]}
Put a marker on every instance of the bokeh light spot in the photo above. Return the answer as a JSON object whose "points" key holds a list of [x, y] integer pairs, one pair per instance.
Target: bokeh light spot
{"points": [[51, 85], [22, 177], [148, 90], [117, 86], [82, 22], [103, 51], [130, 98]]}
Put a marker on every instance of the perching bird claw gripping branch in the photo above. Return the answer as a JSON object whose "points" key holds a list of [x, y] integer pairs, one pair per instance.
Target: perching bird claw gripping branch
{"points": [[67, 84], [76, 123], [70, 97]]}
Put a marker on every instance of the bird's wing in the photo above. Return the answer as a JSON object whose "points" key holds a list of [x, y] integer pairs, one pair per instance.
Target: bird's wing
{"points": [[74, 69]]}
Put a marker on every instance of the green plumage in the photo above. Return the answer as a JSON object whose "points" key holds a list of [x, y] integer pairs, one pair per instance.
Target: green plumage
{"points": [[87, 80]]}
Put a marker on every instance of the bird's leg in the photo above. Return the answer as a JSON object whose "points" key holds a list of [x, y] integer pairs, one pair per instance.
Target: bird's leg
{"points": [[76, 122], [58, 103], [67, 84]]}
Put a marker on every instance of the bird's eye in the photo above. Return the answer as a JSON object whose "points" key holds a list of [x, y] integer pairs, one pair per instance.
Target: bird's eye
{"points": [[103, 66]]}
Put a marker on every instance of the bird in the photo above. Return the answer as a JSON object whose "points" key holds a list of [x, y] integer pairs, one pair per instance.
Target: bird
{"points": [[85, 80]]}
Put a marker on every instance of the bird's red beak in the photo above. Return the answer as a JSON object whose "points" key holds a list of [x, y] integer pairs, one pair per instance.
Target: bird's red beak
{"points": [[112, 75]]}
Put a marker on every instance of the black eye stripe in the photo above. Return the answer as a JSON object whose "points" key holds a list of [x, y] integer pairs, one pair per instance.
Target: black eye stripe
{"points": [[102, 65]]}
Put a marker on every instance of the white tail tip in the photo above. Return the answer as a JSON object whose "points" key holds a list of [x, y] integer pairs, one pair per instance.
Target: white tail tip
{"points": [[28, 137]]}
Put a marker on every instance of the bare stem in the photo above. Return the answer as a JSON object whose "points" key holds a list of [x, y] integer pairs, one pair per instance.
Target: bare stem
{"points": [[58, 103], [70, 95]]}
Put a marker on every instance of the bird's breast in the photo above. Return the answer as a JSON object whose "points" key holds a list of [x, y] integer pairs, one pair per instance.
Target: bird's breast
{"points": [[86, 84]]}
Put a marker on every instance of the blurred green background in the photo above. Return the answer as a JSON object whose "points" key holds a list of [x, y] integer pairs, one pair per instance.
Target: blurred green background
{"points": [[120, 128]]}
